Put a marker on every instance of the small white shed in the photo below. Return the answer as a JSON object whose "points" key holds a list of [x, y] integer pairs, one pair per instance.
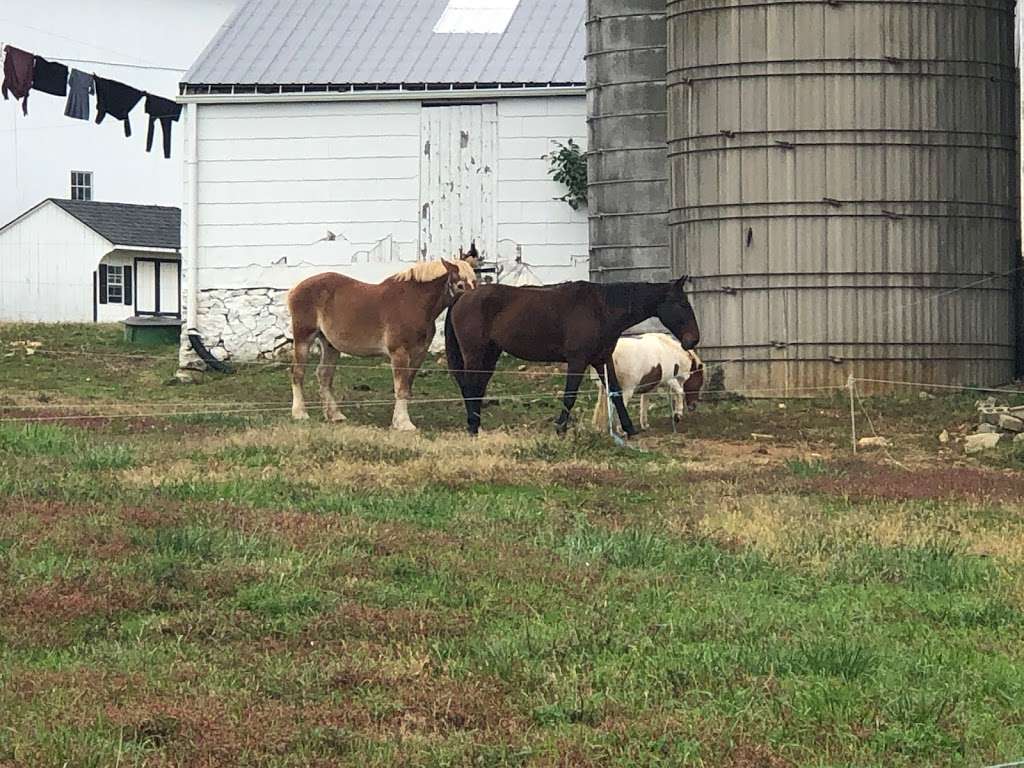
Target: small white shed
{"points": [[357, 136], [85, 261]]}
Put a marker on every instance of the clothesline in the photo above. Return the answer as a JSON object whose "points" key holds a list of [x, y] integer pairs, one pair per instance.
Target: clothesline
{"points": [[24, 71], [78, 41]]}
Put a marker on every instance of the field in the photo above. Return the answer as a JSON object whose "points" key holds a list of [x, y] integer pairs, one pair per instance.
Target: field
{"points": [[229, 588]]}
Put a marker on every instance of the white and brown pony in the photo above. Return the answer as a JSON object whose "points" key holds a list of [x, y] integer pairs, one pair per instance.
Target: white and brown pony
{"points": [[395, 318], [648, 361]]}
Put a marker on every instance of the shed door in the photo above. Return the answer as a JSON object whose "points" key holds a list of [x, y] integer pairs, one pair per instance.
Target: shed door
{"points": [[158, 287], [170, 288], [458, 168], [145, 287]]}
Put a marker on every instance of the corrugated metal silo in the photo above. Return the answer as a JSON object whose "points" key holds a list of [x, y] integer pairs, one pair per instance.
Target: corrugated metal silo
{"points": [[844, 186], [627, 165]]}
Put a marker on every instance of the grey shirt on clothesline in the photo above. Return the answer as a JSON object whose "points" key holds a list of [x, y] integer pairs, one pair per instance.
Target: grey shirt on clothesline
{"points": [[80, 85]]}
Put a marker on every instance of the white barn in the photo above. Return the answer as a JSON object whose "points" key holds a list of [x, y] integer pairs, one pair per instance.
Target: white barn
{"points": [[359, 135], [79, 261]]}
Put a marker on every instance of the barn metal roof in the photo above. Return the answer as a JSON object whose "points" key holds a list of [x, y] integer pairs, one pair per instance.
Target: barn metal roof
{"points": [[390, 43], [134, 226]]}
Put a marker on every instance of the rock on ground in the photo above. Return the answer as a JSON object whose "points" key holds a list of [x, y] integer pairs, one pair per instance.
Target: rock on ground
{"points": [[982, 442], [1010, 423]]}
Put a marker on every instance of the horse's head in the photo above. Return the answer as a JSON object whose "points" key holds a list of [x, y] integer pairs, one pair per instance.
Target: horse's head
{"points": [[461, 278], [471, 257], [677, 314], [694, 383]]}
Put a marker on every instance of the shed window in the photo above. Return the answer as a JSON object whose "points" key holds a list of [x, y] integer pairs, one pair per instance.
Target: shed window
{"points": [[476, 17], [81, 185], [115, 285]]}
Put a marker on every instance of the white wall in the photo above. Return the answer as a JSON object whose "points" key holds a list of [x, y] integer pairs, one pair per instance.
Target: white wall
{"points": [[38, 152], [553, 238], [115, 313], [46, 264], [274, 178]]}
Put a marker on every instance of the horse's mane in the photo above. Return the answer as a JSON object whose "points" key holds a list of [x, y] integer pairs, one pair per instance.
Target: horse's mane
{"points": [[427, 271], [697, 363]]}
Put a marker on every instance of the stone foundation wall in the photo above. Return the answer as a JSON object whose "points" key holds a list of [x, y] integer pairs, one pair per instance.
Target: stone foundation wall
{"points": [[241, 324]]}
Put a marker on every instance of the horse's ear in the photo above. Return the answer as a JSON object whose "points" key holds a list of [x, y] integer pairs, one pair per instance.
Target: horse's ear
{"points": [[450, 267], [682, 281]]}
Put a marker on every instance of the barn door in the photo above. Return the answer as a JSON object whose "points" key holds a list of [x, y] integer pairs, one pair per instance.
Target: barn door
{"points": [[457, 180]]}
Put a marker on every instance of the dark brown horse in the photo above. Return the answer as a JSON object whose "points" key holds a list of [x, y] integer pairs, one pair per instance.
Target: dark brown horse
{"points": [[576, 323]]}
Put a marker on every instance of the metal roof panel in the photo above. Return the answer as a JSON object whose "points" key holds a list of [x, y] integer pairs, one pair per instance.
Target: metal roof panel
{"points": [[391, 42]]}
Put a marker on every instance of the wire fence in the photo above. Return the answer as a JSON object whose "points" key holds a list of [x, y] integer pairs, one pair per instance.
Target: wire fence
{"points": [[98, 410]]}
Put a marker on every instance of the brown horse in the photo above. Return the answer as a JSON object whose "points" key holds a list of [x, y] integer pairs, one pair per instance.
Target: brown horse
{"points": [[395, 318], [576, 323]]}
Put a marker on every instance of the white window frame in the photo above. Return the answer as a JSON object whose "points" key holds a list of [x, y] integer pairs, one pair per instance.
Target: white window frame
{"points": [[118, 272], [81, 185]]}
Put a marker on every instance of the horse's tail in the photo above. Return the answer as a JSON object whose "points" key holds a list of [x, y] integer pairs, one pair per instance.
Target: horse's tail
{"points": [[456, 363]]}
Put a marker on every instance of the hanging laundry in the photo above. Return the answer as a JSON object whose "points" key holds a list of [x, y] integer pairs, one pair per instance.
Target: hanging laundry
{"points": [[80, 85], [18, 69], [50, 77], [166, 112], [117, 100]]}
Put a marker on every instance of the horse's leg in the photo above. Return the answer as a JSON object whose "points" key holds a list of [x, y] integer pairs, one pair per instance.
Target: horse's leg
{"points": [[404, 366], [573, 378], [303, 338], [477, 374], [678, 398], [329, 357], [619, 402], [644, 405]]}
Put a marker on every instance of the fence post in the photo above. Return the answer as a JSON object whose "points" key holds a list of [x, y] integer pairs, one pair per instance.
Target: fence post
{"points": [[850, 384]]}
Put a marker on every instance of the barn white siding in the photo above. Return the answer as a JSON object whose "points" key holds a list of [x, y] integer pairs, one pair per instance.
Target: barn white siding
{"points": [[552, 238], [274, 178], [47, 259]]}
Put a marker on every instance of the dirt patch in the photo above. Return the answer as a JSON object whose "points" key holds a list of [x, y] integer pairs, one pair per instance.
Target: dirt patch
{"points": [[75, 419], [46, 613], [860, 481], [755, 756], [159, 516], [589, 476], [357, 621]]}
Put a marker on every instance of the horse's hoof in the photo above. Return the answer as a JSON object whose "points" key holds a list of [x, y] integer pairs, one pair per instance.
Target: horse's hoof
{"points": [[409, 427], [300, 416], [336, 417]]}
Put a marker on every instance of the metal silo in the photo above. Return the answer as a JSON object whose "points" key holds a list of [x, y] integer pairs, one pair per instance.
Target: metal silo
{"points": [[626, 160], [844, 187]]}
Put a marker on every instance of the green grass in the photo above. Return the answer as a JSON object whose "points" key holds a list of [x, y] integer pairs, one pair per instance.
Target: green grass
{"points": [[235, 589]]}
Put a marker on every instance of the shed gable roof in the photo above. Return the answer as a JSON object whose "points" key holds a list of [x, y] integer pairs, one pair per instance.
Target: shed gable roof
{"points": [[390, 43], [134, 226]]}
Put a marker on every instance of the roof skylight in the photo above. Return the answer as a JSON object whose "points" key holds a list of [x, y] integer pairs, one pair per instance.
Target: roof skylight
{"points": [[488, 17]]}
